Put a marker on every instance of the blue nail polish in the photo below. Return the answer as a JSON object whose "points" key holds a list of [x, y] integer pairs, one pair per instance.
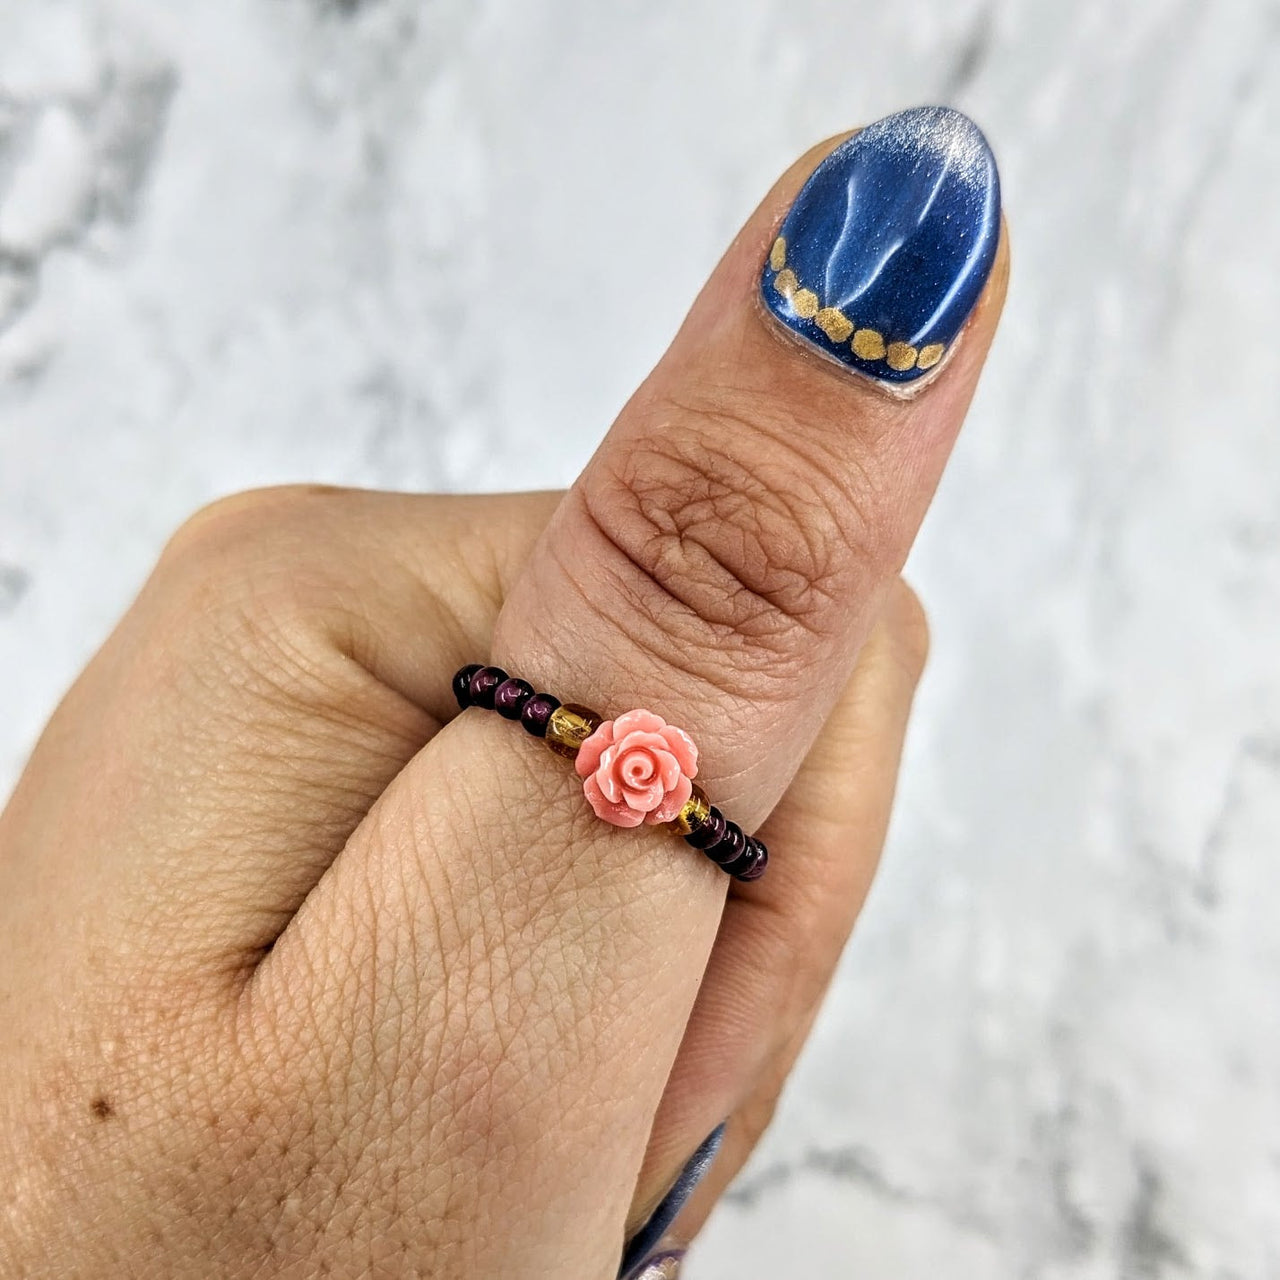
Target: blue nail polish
{"points": [[640, 1250], [886, 249], [662, 1266]]}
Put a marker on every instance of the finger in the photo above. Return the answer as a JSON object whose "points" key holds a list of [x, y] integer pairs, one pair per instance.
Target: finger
{"points": [[290, 653], [740, 1136], [731, 540], [720, 561], [779, 942]]}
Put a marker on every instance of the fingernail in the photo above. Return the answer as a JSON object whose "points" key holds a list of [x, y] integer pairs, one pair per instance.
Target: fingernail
{"points": [[645, 1247], [662, 1266], [886, 249]]}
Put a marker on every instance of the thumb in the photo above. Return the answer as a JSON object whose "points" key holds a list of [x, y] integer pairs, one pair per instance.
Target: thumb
{"points": [[727, 547], [719, 561]]}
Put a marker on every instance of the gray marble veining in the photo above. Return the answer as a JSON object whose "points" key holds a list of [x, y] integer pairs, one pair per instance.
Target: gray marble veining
{"points": [[270, 240]]}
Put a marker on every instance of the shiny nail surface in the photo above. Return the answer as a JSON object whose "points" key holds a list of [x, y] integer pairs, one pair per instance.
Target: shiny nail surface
{"points": [[645, 1246], [885, 251], [662, 1266]]}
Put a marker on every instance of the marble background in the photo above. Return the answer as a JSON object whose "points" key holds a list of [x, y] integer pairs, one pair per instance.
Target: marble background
{"points": [[261, 241]]}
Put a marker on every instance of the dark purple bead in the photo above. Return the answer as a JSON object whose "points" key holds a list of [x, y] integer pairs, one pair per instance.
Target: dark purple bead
{"points": [[729, 849], [739, 865], [462, 684], [537, 711], [484, 684], [756, 870], [710, 832], [510, 696], [744, 866]]}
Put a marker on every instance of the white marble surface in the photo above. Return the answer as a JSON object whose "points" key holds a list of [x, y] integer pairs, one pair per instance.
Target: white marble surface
{"points": [[260, 241]]}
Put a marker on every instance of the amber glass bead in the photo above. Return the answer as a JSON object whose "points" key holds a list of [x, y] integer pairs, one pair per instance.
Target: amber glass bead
{"points": [[697, 808], [570, 725]]}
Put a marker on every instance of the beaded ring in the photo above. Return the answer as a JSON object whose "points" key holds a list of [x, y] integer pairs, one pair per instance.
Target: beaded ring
{"points": [[635, 769]]}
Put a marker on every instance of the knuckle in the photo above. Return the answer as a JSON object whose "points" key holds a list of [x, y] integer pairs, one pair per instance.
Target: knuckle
{"points": [[240, 586], [226, 528], [907, 624], [720, 529], [255, 554]]}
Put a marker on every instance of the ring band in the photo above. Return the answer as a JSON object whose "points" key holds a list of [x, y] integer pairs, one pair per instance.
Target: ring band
{"points": [[635, 769]]}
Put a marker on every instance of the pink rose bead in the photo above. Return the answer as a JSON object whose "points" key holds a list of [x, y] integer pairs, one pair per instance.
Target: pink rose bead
{"points": [[637, 768]]}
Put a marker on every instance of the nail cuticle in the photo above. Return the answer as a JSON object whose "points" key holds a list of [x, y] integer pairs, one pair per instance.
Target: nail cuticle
{"points": [[792, 341], [885, 251]]}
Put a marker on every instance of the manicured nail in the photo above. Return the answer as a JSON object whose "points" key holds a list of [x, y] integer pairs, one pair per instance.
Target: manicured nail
{"points": [[885, 251], [662, 1266], [645, 1247]]}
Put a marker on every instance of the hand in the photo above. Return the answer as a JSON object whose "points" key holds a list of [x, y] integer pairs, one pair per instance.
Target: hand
{"points": [[306, 973]]}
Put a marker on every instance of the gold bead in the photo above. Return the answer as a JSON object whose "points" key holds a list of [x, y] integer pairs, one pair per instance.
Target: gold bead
{"points": [[901, 356], [778, 254], [693, 815], [569, 727], [785, 282], [930, 355], [868, 344]]}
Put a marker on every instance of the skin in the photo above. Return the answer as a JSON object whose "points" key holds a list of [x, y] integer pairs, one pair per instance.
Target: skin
{"points": [[304, 973]]}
